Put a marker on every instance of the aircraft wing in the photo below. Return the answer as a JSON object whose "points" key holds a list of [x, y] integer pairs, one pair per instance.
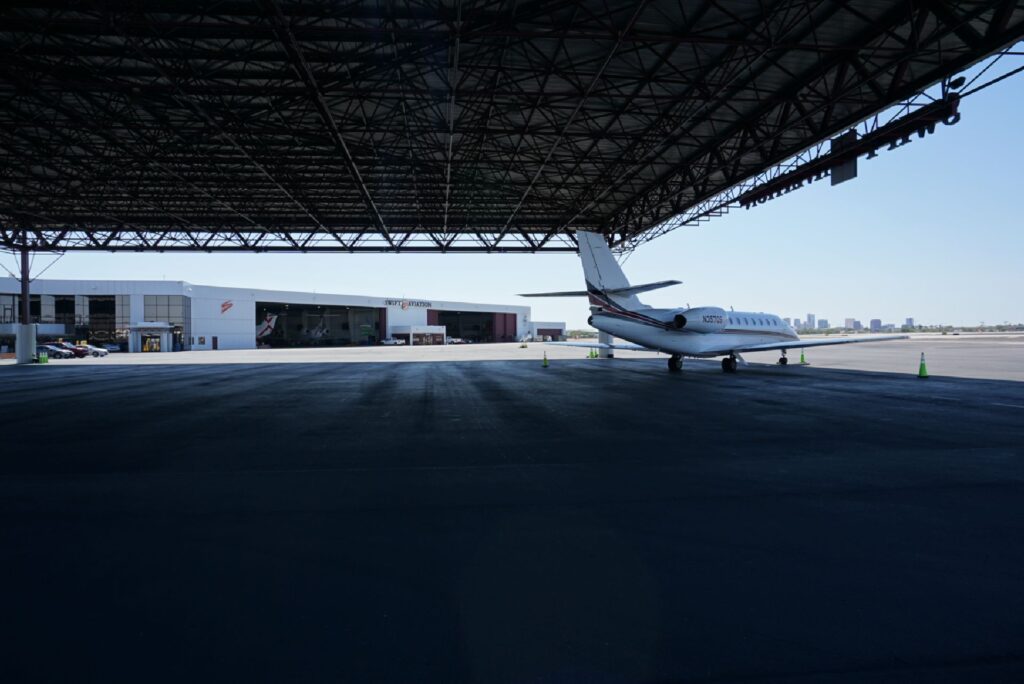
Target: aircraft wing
{"points": [[600, 345], [803, 344]]}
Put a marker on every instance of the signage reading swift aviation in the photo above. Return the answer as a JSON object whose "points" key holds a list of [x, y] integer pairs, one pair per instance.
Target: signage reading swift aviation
{"points": [[702, 332]]}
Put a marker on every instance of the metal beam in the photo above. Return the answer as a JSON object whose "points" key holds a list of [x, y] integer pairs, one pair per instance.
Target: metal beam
{"points": [[403, 126], [291, 45]]}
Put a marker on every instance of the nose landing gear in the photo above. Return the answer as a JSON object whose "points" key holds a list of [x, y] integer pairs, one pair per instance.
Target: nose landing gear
{"points": [[729, 364], [675, 362], [783, 360]]}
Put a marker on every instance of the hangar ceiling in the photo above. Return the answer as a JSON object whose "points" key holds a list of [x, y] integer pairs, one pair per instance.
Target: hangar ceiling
{"points": [[452, 126]]}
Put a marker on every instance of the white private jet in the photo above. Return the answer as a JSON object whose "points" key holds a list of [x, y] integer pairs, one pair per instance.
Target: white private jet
{"points": [[701, 332]]}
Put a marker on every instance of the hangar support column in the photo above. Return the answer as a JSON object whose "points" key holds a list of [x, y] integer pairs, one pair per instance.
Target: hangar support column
{"points": [[605, 352], [25, 340]]}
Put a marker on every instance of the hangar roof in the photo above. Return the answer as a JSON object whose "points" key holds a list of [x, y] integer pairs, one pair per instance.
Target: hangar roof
{"points": [[406, 126]]}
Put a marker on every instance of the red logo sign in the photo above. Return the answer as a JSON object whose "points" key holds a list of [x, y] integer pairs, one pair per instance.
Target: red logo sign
{"points": [[225, 305]]}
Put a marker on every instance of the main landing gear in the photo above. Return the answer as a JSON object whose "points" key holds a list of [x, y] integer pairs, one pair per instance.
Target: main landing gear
{"points": [[783, 360], [729, 364], [675, 362]]}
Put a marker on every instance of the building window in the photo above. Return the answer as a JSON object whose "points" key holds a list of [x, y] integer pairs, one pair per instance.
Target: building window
{"points": [[173, 309]]}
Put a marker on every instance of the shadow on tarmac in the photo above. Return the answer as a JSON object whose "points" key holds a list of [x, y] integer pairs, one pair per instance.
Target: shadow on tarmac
{"points": [[502, 522]]}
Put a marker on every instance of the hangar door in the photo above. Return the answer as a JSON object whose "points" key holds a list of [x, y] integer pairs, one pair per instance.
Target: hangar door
{"points": [[475, 326], [504, 327]]}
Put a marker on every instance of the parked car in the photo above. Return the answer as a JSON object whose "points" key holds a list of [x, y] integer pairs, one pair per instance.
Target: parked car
{"points": [[392, 340], [96, 351], [77, 351], [53, 351], [112, 347]]}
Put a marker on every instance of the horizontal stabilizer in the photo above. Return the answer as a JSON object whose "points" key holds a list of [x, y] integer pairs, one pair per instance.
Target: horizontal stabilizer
{"points": [[577, 293], [620, 291], [647, 287]]}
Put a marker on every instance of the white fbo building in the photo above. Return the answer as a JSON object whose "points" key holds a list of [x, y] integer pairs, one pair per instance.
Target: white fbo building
{"points": [[158, 315]]}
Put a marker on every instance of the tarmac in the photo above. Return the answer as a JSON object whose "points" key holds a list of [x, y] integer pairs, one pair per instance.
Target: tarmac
{"points": [[298, 516]]}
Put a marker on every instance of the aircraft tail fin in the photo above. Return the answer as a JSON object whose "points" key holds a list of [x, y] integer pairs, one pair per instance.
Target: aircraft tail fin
{"points": [[603, 274], [600, 269], [606, 283]]}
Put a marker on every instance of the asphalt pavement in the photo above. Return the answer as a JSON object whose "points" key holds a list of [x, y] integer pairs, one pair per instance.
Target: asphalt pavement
{"points": [[497, 521]]}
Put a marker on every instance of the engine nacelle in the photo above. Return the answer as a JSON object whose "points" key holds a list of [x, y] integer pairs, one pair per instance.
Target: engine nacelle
{"points": [[703, 319]]}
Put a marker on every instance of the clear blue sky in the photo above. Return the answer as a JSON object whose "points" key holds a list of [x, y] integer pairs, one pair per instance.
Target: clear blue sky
{"points": [[933, 230]]}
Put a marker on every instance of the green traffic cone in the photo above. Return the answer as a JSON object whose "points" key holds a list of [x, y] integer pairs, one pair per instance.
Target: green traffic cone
{"points": [[545, 359], [803, 361], [922, 370]]}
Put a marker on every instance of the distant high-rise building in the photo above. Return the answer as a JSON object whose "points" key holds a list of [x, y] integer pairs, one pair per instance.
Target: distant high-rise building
{"points": [[876, 324], [810, 321], [796, 324], [823, 324], [910, 322], [857, 325], [849, 323], [786, 321]]}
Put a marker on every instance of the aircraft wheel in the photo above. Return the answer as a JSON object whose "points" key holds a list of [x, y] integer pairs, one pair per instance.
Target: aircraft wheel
{"points": [[783, 361], [729, 364], [675, 363]]}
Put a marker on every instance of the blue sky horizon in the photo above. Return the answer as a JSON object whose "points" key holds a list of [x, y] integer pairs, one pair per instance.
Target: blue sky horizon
{"points": [[930, 231]]}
